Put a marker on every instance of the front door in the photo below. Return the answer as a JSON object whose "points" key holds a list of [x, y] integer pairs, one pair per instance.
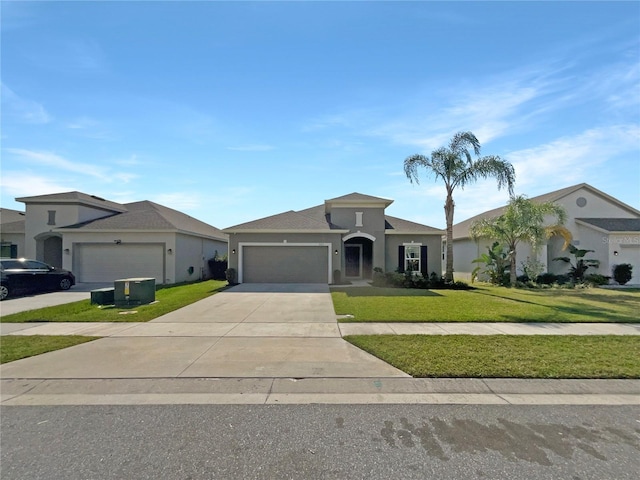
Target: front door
{"points": [[353, 260]]}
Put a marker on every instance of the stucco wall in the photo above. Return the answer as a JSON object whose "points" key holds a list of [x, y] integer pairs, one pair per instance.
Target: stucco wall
{"points": [[194, 252], [432, 242]]}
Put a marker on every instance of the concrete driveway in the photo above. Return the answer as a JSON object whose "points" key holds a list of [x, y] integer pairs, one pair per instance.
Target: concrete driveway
{"points": [[272, 330], [81, 291]]}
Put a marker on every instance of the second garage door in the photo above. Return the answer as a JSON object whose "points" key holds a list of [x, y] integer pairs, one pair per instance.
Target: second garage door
{"points": [[285, 264], [109, 262]]}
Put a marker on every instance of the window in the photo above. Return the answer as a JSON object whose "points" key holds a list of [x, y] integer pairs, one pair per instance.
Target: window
{"points": [[412, 258], [52, 217]]}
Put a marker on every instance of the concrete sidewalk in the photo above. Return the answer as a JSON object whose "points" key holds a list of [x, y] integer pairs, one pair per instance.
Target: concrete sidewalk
{"points": [[263, 391], [163, 327]]}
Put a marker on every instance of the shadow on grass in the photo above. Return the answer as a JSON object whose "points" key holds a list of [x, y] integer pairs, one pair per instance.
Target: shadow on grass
{"points": [[575, 304], [383, 292]]}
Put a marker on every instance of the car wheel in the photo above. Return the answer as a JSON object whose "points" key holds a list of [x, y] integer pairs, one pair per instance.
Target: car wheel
{"points": [[4, 292], [65, 284]]}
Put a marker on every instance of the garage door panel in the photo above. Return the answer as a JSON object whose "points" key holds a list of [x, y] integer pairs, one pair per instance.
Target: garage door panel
{"points": [[285, 264], [107, 262]]}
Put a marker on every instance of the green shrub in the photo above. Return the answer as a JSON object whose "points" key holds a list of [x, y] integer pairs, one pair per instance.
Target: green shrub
{"points": [[597, 279], [622, 273]]}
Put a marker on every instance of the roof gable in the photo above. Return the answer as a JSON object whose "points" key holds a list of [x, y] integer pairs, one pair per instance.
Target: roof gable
{"points": [[150, 216], [461, 230]]}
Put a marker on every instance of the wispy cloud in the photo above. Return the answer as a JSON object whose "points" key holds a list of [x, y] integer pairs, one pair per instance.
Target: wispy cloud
{"points": [[574, 158], [23, 109], [81, 55], [49, 159]]}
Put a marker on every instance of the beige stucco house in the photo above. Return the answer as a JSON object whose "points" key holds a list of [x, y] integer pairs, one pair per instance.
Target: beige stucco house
{"points": [[351, 235], [597, 221], [101, 241]]}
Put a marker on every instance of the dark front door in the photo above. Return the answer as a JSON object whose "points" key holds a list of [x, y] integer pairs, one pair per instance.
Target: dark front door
{"points": [[352, 259]]}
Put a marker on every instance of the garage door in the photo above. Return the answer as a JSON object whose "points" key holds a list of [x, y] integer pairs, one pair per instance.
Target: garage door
{"points": [[109, 262], [285, 264]]}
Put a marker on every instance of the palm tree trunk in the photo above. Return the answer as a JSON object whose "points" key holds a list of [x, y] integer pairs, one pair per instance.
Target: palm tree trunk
{"points": [[512, 267], [448, 212]]}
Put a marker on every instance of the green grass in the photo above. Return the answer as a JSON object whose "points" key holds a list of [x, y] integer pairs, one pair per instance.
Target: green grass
{"points": [[507, 356], [15, 347], [486, 304], [168, 299]]}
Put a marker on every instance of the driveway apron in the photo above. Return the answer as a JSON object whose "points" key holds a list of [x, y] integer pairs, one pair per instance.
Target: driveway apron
{"points": [[250, 330]]}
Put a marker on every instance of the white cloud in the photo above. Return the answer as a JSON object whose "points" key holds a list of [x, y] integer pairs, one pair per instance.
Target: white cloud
{"points": [[49, 159], [23, 109], [573, 159]]}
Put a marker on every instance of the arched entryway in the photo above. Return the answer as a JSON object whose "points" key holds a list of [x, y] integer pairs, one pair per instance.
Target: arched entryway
{"points": [[358, 258], [49, 249]]}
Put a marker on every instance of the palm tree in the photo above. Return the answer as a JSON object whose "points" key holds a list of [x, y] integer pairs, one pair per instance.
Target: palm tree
{"points": [[456, 167], [523, 220]]}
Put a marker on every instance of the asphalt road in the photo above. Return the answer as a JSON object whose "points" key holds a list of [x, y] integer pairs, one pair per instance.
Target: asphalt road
{"points": [[320, 442]]}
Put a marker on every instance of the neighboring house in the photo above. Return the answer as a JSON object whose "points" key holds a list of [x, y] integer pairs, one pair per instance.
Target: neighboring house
{"points": [[101, 241], [349, 234], [596, 220], [11, 233]]}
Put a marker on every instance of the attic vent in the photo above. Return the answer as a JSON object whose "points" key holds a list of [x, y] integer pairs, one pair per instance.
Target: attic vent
{"points": [[98, 198], [581, 201]]}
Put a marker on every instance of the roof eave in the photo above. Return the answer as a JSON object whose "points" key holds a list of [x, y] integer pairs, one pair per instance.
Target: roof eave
{"points": [[285, 230], [414, 232]]}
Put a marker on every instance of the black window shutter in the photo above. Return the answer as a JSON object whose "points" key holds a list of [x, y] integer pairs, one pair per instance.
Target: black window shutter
{"points": [[401, 258], [423, 261]]}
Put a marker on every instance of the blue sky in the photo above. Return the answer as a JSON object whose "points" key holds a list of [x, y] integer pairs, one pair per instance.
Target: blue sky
{"points": [[232, 111]]}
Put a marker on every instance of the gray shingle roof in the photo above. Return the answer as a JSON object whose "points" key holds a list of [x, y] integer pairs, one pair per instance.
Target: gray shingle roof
{"points": [[461, 230], [285, 221], [406, 226], [146, 215], [315, 219], [614, 224], [358, 197], [75, 197]]}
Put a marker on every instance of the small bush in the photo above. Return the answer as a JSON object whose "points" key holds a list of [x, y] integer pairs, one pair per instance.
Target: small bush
{"points": [[547, 278], [230, 273], [597, 279], [622, 273]]}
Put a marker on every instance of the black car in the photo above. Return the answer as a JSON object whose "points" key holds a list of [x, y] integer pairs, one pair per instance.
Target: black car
{"points": [[24, 275]]}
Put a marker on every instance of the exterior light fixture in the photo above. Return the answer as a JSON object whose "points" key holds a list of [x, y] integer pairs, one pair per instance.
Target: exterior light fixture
{"points": [[615, 253], [67, 251], [336, 251], [170, 251], [233, 251]]}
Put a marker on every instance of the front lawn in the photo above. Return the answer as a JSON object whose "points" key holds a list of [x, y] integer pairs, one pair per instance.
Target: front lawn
{"points": [[486, 304], [507, 356], [168, 299], [15, 347]]}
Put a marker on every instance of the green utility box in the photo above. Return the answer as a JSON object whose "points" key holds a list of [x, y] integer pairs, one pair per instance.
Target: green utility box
{"points": [[130, 292], [102, 296]]}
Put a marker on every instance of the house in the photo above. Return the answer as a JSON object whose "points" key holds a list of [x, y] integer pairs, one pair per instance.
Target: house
{"points": [[596, 220], [101, 241], [344, 238], [11, 233]]}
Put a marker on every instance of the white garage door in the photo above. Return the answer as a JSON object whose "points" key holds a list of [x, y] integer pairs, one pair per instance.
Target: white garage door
{"points": [[285, 264], [109, 262]]}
